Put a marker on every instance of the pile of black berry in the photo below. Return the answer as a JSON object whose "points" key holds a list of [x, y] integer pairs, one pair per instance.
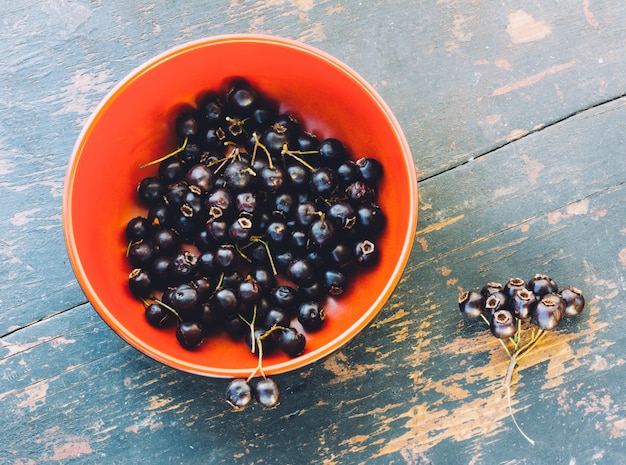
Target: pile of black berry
{"points": [[250, 225], [519, 313]]}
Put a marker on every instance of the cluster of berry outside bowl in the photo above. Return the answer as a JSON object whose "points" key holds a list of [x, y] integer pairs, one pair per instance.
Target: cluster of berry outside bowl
{"points": [[519, 314]]}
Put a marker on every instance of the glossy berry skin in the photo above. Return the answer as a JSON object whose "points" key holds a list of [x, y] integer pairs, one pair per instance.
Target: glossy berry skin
{"points": [[165, 241], [541, 284], [190, 334], [548, 312], [494, 302], [370, 170], [311, 316], [574, 301], [513, 285], [158, 316], [522, 302], [471, 303], [184, 266], [137, 229], [366, 254], [140, 254], [335, 282], [238, 393], [267, 393], [292, 342], [301, 271], [323, 182], [490, 288], [503, 324], [140, 283], [151, 190], [332, 151], [183, 299]]}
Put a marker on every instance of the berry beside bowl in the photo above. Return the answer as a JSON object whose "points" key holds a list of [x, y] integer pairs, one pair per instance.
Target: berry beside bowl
{"points": [[133, 125]]}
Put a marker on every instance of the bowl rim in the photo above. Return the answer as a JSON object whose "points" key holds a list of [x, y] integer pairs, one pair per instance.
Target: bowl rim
{"points": [[309, 357]]}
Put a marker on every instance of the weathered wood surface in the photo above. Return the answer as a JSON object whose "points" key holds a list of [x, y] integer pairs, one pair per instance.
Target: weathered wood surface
{"points": [[516, 116]]}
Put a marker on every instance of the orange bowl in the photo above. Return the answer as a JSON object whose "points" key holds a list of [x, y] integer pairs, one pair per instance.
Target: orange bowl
{"points": [[133, 124]]}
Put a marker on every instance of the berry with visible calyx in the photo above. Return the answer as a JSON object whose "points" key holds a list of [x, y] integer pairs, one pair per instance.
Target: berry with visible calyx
{"points": [[140, 282], [490, 288], [267, 393], [292, 342], [495, 302], [238, 393], [513, 285], [541, 284], [370, 170], [183, 299], [574, 301], [471, 303], [503, 324], [522, 302], [548, 312], [200, 176], [335, 282], [366, 253], [184, 266], [311, 315]]}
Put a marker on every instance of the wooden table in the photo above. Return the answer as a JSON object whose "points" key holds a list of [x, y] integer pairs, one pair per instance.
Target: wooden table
{"points": [[516, 116]]}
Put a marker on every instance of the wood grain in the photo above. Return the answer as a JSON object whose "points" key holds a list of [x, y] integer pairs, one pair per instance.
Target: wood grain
{"points": [[515, 113]]}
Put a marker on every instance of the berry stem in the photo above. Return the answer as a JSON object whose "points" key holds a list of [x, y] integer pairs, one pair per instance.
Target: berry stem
{"points": [[507, 383], [165, 157]]}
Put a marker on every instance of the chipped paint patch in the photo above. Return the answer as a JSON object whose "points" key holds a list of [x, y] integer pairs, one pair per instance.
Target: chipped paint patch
{"points": [[440, 225], [589, 16], [533, 168], [35, 395], [503, 64], [76, 95], [531, 80], [523, 28], [622, 257]]}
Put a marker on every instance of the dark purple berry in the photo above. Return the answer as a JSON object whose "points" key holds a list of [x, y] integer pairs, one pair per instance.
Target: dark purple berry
{"points": [[158, 316], [541, 284], [513, 285], [521, 302], [548, 312], [311, 316], [137, 229], [190, 334], [574, 301], [503, 324], [366, 253], [370, 170], [471, 303], [490, 288], [140, 283], [292, 342], [238, 393], [267, 393]]}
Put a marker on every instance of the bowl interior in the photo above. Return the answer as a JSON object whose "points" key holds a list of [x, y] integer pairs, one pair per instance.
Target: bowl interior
{"points": [[134, 125]]}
